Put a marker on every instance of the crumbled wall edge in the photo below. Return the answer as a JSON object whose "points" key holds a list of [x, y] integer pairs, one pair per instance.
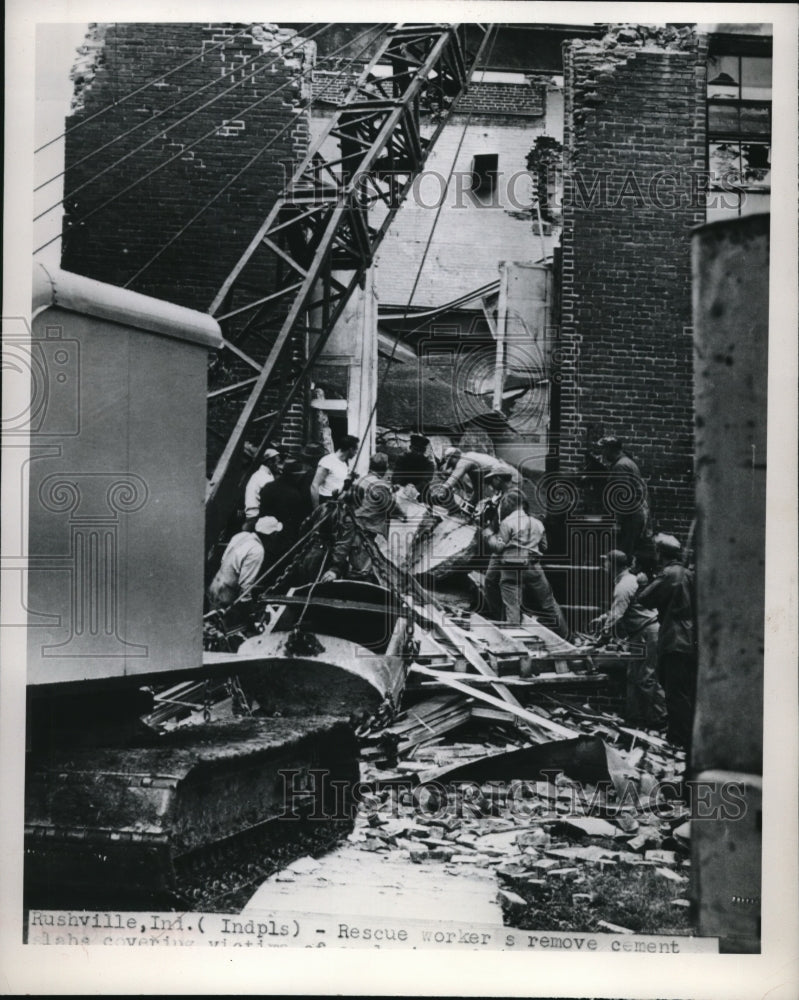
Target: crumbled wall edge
{"points": [[90, 57]]}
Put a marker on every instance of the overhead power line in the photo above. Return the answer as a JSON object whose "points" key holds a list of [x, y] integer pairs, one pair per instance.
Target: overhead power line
{"points": [[173, 239], [163, 132], [171, 107], [138, 90]]}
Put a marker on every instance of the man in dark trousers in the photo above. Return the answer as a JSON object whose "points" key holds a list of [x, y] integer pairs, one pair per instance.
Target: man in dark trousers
{"points": [[625, 495], [413, 466], [672, 594], [375, 505], [284, 506], [627, 620]]}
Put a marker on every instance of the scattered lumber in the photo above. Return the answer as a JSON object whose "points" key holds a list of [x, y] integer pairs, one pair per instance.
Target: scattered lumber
{"points": [[528, 715], [428, 720], [540, 681], [463, 644]]}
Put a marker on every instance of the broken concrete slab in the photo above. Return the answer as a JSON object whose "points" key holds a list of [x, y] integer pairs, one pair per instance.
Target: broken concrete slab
{"points": [[613, 928], [670, 875], [589, 826], [663, 857], [512, 903]]}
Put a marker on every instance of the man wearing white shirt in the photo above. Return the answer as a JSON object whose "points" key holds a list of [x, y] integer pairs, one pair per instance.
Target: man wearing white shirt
{"points": [[333, 471]]}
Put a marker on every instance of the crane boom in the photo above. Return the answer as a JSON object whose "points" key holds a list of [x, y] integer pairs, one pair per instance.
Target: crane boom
{"points": [[317, 241]]}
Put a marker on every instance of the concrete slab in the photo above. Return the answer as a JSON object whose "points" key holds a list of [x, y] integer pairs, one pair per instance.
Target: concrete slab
{"points": [[353, 882]]}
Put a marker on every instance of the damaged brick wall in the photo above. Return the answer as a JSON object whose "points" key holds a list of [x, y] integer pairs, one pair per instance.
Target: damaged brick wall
{"points": [[634, 147], [110, 235]]}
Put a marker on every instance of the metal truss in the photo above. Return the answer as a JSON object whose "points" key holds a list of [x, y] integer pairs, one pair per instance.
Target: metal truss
{"points": [[320, 237]]}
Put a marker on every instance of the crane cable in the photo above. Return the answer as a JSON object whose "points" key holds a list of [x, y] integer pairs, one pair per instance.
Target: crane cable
{"points": [[387, 369]]}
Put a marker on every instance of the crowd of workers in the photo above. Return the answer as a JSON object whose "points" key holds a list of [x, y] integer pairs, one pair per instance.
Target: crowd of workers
{"points": [[653, 595]]}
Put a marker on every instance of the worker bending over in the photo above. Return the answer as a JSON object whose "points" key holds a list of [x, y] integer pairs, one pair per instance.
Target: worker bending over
{"points": [[515, 566], [414, 467], [239, 569], [627, 619], [469, 469]]}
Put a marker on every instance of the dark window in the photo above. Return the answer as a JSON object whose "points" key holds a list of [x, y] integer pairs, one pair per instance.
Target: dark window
{"points": [[485, 167]]}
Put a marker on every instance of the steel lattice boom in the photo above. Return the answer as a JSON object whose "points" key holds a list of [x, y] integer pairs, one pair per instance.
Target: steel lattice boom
{"points": [[322, 233]]}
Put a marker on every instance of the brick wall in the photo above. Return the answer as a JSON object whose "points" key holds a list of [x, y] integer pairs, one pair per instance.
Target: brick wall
{"points": [[252, 87], [520, 99], [634, 127]]}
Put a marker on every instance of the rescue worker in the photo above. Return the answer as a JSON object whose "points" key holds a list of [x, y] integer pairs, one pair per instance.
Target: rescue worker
{"points": [[515, 571], [625, 494], [469, 468], [626, 619], [239, 569], [333, 471], [376, 505], [414, 467], [267, 472], [498, 480], [672, 594], [285, 502]]}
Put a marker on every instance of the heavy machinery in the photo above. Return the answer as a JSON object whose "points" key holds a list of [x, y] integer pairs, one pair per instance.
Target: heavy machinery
{"points": [[116, 526]]}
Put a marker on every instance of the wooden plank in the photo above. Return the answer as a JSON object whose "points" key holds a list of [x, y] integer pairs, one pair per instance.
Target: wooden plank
{"points": [[543, 680], [461, 641], [562, 732]]}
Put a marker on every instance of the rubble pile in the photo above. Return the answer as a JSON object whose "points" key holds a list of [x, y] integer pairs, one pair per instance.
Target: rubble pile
{"points": [[659, 36], [547, 833]]}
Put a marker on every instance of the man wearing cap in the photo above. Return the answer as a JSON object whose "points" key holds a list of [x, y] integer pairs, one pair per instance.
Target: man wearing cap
{"points": [[627, 619], [333, 471], [265, 473], [625, 494], [284, 502], [239, 569], [497, 480], [515, 566], [415, 467], [672, 595]]}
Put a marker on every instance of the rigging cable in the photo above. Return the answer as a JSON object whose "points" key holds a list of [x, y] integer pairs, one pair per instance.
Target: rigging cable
{"points": [[427, 245]]}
